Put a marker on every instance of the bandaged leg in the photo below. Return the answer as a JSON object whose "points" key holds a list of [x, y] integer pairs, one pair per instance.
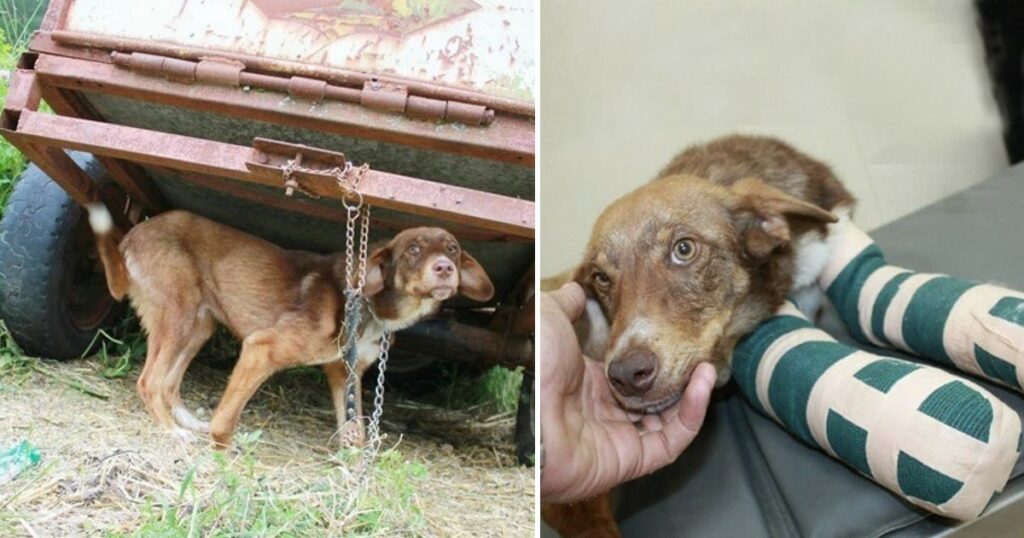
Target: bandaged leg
{"points": [[977, 328], [940, 441]]}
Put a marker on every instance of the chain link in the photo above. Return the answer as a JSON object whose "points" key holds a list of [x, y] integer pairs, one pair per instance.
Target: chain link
{"points": [[364, 241], [291, 184]]}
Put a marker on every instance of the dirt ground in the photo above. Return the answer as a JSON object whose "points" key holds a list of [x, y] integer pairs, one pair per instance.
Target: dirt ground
{"points": [[107, 470]]}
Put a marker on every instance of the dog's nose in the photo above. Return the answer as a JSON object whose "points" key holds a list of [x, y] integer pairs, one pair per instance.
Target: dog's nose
{"points": [[443, 267], [633, 374]]}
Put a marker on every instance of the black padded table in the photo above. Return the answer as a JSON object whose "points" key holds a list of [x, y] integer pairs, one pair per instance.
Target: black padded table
{"points": [[746, 477]]}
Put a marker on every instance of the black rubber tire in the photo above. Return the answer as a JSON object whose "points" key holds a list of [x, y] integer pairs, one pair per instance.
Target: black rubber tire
{"points": [[41, 230], [526, 425]]}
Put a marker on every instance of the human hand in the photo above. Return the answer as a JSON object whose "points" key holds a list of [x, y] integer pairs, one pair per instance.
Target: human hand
{"points": [[591, 444]]}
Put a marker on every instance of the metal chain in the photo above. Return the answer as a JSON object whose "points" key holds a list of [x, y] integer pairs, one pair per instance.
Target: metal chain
{"points": [[291, 184], [357, 217], [364, 241], [373, 439]]}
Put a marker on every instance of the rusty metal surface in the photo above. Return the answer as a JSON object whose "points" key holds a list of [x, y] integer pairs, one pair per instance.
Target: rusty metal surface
{"points": [[479, 209], [129, 177], [323, 211], [55, 163], [374, 94], [23, 91], [97, 49], [486, 46], [507, 139], [474, 173]]}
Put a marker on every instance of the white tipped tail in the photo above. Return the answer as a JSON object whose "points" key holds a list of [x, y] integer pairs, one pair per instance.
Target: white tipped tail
{"points": [[99, 218], [107, 244], [187, 420]]}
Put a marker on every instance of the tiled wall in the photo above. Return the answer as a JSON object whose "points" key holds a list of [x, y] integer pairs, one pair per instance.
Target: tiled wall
{"points": [[893, 94]]}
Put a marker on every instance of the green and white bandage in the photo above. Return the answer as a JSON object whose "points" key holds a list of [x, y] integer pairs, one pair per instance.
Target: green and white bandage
{"points": [[977, 328], [940, 441]]}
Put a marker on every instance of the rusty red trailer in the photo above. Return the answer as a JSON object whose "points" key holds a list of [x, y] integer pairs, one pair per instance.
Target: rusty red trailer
{"points": [[203, 105]]}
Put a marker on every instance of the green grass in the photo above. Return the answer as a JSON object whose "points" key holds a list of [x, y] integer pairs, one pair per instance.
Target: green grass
{"points": [[461, 387], [12, 162], [19, 18], [235, 500]]}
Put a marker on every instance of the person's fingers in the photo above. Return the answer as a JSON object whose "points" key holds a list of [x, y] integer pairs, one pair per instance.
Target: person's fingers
{"points": [[571, 299], [695, 400], [651, 423], [680, 423]]}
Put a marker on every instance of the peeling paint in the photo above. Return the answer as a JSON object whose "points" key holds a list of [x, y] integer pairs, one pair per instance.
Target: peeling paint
{"points": [[469, 44]]}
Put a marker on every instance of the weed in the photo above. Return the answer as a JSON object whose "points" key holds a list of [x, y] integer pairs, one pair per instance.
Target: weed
{"points": [[459, 387], [14, 365], [12, 162], [18, 19], [222, 495]]}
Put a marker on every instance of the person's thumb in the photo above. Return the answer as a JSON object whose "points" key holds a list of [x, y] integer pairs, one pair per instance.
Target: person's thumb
{"points": [[570, 299]]}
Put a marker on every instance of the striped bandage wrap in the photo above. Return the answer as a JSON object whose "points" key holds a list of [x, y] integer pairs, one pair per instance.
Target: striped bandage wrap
{"points": [[977, 328], [941, 442]]}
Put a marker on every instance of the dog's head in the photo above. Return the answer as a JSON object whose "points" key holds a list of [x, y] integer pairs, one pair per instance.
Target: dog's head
{"points": [[425, 263], [671, 266]]}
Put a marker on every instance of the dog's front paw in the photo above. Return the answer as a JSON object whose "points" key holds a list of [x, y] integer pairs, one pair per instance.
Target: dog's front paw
{"points": [[352, 434]]}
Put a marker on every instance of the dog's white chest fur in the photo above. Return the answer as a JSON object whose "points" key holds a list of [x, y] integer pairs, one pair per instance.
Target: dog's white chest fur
{"points": [[813, 251], [368, 344]]}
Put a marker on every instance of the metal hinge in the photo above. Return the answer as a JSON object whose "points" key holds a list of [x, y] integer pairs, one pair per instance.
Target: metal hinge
{"points": [[374, 94]]}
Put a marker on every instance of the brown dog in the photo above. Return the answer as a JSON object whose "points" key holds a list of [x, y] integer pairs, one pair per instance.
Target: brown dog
{"points": [[185, 273], [681, 268]]}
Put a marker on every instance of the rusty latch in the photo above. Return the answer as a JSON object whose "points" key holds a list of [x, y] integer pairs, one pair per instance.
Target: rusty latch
{"points": [[375, 94], [274, 160]]}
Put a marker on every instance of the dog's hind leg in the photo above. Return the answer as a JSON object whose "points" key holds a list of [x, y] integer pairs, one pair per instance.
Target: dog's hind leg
{"points": [[161, 341], [201, 331], [168, 336]]}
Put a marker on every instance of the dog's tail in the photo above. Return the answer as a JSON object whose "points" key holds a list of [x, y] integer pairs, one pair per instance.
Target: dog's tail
{"points": [[113, 262]]}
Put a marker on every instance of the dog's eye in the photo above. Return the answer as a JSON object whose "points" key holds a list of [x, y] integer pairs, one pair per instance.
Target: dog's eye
{"points": [[414, 250], [601, 279], [684, 250], [453, 249]]}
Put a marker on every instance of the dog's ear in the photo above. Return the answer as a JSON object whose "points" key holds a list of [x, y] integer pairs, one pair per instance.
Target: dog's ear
{"points": [[764, 214], [375, 269], [473, 280]]}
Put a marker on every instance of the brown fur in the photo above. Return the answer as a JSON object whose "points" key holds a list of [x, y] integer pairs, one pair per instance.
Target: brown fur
{"points": [[743, 201], [590, 518], [185, 273]]}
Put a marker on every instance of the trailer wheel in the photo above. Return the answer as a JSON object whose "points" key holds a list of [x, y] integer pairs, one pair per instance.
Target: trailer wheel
{"points": [[53, 295], [525, 421]]}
